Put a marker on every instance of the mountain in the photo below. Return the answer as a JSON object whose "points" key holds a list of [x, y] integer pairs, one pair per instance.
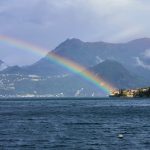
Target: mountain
{"points": [[116, 74], [130, 61], [134, 55], [89, 54], [68, 85]]}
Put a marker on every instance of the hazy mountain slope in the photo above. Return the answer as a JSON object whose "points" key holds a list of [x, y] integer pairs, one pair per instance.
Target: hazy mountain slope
{"points": [[116, 74], [22, 85], [69, 85], [14, 70], [46, 67]]}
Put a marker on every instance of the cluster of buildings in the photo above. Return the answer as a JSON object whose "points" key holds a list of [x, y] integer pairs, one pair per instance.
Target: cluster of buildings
{"points": [[140, 92]]}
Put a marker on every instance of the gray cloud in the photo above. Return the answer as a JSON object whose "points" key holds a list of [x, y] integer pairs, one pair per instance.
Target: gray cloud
{"points": [[48, 22], [142, 64]]}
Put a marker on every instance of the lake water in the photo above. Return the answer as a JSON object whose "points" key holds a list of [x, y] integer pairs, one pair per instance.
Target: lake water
{"points": [[75, 124]]}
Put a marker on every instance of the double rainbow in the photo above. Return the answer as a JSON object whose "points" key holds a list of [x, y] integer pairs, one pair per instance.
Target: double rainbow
{"points": [[66, 63]]}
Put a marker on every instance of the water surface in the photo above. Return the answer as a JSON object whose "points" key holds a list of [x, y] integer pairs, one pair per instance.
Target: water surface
{"points": [[75, 124]]}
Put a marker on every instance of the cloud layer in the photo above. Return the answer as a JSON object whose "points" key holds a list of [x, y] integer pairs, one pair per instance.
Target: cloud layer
{"points": [[48, 22]]}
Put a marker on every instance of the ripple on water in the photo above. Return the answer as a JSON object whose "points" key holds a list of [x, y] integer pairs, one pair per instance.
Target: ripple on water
{"points": [[75, 124]]}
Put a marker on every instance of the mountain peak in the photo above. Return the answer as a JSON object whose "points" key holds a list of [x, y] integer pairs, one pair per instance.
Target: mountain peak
{"points": [[73, 40], [69, 43]]}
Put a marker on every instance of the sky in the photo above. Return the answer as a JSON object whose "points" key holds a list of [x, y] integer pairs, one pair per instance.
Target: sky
{"points": [[47, 23]]}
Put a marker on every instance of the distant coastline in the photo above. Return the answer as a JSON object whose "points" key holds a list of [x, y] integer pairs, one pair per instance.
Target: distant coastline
{"points": [[53, 98]]}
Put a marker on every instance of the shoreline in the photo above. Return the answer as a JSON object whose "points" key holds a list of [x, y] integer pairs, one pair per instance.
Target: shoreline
{"points": [[69, 98]]}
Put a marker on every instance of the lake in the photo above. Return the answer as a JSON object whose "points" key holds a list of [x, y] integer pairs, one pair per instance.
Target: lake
{"points": [[75, 124]]}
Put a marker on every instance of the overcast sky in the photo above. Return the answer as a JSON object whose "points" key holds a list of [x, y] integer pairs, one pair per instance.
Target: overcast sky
{"points": [[49, 22]]}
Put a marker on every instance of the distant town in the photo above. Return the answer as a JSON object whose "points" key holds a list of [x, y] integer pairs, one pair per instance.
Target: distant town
{"points": [[131, 93]]}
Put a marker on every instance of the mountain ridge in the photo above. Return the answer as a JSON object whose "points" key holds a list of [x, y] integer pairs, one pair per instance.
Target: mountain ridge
{"points": [[89, 54]]}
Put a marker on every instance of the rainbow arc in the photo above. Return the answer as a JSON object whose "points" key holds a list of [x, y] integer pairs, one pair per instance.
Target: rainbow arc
{"points": [[66, 63]]}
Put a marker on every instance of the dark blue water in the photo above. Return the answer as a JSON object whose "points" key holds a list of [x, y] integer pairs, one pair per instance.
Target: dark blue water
{"points": [[75, 124]]}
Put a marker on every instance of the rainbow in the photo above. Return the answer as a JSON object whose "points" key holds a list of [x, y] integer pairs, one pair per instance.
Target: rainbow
{"points": [[66, 63]]}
